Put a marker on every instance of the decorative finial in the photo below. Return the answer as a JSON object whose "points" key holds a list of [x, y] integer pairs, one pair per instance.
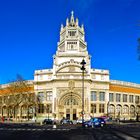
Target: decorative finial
{"points": [[72, 18], [67, 22], [62, 27], [76, 21], [82, 27], [72, 13]]}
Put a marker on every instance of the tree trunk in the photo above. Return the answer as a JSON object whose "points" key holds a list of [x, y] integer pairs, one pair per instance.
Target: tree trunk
{"points": [[28, 112]]}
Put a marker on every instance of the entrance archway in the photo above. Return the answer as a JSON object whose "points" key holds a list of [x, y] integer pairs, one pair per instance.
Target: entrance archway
{"points": [[70, 106]]}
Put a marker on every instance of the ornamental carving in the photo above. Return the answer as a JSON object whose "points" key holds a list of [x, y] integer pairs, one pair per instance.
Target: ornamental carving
{"points": [[71, 84]]}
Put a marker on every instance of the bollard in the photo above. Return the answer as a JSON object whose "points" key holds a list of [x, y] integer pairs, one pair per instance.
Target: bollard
{"points": [[54, 126], [41, 123]]}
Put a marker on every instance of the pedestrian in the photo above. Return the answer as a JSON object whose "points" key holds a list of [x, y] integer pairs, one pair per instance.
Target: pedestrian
{"points": [[2, 119]]}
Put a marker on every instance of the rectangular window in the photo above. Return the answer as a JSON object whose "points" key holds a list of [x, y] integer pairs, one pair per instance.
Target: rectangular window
{"points": [[101, 108], [102, 96], [49, 108], [93, 96], [118, 97], [41, 97], [124, 98], [49, 96], [137, 99], [41, 108], [131, 98], [111, 97], [93, 108]]}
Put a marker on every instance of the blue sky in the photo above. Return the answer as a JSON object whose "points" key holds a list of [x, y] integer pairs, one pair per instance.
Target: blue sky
{"points": [[29, 32]]}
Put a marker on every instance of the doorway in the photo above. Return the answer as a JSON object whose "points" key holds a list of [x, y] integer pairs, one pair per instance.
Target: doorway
{"points": [[71, 114]]}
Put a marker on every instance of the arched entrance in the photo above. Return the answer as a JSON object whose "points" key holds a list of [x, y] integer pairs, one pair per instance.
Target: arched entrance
{"points": [[70, 106]]}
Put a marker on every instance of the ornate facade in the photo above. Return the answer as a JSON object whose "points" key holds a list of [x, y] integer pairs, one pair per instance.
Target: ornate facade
{"points": [[59, 90]]}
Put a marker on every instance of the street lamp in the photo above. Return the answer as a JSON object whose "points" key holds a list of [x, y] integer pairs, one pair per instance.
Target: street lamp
{"points": [[48, 110], [71, 100], [83, 70], [108, 109]]}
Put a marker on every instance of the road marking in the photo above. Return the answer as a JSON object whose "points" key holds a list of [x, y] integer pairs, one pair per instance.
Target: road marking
{"points": [[33, 129]]}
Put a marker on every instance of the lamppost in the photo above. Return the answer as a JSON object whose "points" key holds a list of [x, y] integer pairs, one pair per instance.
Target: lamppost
{"points": [[108, 109], [83, 70], [48, 110]]}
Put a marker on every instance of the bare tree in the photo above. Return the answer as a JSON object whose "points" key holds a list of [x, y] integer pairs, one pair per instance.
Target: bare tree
{"points": [[20, 91]]}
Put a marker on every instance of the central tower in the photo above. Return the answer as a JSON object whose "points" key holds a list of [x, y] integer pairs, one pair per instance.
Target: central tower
{"points": [[72, 45]]}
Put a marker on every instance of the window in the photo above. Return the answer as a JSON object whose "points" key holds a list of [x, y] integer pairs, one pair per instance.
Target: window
{"points": [[49, 108], [132, 110], [111, 97], [24, 110], [93, 108], [24, 97], [111, 109], [137, 99], [71, 33], [41, 108], [101, 108], [71, 102], [124, 98], [131, 98], [41, 96], [125, 109], [102, 96], [118, 97], [93, 96], [118, 109], [49, 96]]}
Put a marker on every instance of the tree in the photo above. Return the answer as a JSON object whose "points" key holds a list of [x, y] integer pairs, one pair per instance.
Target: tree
{"points": [[20, 91]]}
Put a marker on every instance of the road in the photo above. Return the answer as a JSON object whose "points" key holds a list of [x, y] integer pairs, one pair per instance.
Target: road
{"points": [[35, 132]]}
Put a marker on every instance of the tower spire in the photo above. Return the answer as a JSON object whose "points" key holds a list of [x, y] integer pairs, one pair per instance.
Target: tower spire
{"points": [[72, 18]]}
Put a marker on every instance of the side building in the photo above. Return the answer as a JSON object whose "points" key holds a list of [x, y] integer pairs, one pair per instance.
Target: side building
{"points": [[17, 101], [62, 92]]}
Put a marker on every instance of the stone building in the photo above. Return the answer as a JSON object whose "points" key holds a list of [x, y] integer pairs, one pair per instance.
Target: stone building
{"points": [[60, 90]]}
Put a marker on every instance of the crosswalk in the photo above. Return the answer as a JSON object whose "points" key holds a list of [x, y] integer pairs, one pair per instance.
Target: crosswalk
{"points": [[35, 129]]}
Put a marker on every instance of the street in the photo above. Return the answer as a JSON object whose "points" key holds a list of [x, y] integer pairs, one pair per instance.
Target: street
{"points": [[73, 132]]}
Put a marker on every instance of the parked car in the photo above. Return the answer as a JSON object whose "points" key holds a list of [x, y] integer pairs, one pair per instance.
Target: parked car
{"points": [[66, 121], [95, 122], [79, 121], [47, 121]]}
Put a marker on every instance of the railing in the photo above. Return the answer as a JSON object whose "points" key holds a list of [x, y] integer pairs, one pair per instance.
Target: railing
{"points": [[125, 83], [100, 71], [37, 72]]}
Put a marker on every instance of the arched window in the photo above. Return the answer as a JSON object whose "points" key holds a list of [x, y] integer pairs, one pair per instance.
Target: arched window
{"points": [[71, 102], [111, 109], [132, 110], [118, 109], [125, 109]]}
